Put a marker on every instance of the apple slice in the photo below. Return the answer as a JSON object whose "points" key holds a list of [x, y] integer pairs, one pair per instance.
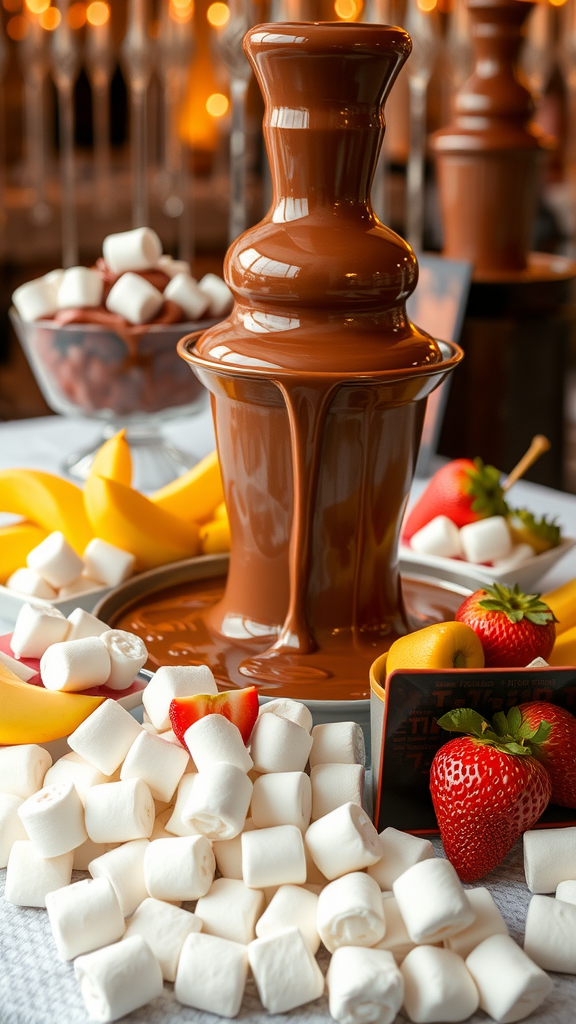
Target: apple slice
{"points": [[239, 706]]}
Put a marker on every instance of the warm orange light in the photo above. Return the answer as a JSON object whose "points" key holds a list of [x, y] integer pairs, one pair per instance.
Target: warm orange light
{"points": [[217, 104], [98, 13], [76, 15], [218, 15], [426, 5], [348, 10], [181, 10], [50, 19], [37, 6], [11, 5], [557, 3], [17, 28]]}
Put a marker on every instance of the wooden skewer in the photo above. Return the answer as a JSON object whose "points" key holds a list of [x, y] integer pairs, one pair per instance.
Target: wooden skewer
{"points": [[539, 445]]}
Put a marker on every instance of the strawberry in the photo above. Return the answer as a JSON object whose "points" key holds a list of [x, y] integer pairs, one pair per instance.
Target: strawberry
{"points": [[542, 534], [514, 628], [487, 788], [464, 490], [558, 752], [239, 706]]}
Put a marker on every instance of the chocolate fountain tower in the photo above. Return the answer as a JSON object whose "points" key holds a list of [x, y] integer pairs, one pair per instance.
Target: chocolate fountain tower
{"points": [[318, 379]]}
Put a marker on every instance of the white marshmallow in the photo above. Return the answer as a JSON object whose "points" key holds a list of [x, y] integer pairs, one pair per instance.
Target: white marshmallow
{"points": [[437, 986], [293, 710], [17, 667], [184, 290], [82, 585], [566, 891], [139, 249], [351, 912], [127, 654], [165, 929], [124, 867], [519, 554], [106, 563], [218, 801], [344, 840], [212, 975], [285, 972], [89, 851], [228, 853], [75, 665], [171, 267], [337, 743], [84, 916], [30, 877], [439, 537], [283, 798], [11, 827], [334, 785], [400, 851], [511, 986], [54, 819], [292, 906], [180, 868], [82, 625], [279, 745], [212, 739], [396, 939], [80, 288], [273, 856], [486, 539], [221, 298], [174, 823], [160, 764], [550, 937], [489, 921], [53, 278], [119, 812], [549, 858], [230, 910], [364, 986], [134, 298], [432, 901], [118, 979], [73, 768], [30, 583], [105, 737], [35, 300], [22, 769], [169, 682]]}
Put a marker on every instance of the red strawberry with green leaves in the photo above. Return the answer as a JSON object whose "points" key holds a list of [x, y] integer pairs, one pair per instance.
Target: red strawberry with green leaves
{"points": [[465, 490], [239, 706], [558, 751], [487, 787], [513, 627]]}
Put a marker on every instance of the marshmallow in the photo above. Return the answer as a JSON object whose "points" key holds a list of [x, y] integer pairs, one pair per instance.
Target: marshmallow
{"points": [[139, 249], [396, 939], [291, 907], [273, 856], [73, 768], [180, 868], [518, 555], [437, 986], [550, 937], [81, 585], [23, 768], [351, 912], [334, 785], [174, 823], [17, 667], [283, 798], [160, 764], [171, 267], [228, 853], [432, 901], [105, 737], [218, 801], [30, 877], [489, 921], [549, 858], [75, 665], [118, 979], [35, 300], [84, 916], [53, 278], [169, 682], [439, 537], [89, 851], [486, 540], [279, 745], [127, 654], [165, 929], [566, 891], [80, 288], [511, 986], [293, 710], [54, 819], [364, 986], [184, 290], [221, 298], [231, 910], [30, 583], [337, 743], [124, 867], [36, 628], [119, 812], [82, 625], [106, 563], [11, 827], [344, 840], [134, 298], [212, 739], [212, 975], [285, 972], [400, 851]]}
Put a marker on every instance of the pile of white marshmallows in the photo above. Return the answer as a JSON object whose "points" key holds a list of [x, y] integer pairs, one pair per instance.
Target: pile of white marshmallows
{"points": [[54, 570], [277, 859], [487, 541], [131, 296]]}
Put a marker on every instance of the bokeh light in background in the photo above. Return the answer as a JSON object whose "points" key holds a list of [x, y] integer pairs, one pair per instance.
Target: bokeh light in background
{"points": [[98, 13], [37, 6], [76, 15], [557, 3], [17, 28], [218, 15], [50, 19], [12, 5], [426, 5], [181, 10], [348, 10], [217, 104]]}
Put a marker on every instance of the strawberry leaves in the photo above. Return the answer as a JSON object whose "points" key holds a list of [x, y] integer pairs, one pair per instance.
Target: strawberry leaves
{"points": [[506, 732], [516, 605], [486, 491]]}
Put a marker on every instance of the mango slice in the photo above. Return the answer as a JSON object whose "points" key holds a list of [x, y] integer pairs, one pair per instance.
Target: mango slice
{"points": [[31, 714], [562, 601], [215, 537], [16, 541], [564, 650], [113, 460], [195, 495], [48, 500]]}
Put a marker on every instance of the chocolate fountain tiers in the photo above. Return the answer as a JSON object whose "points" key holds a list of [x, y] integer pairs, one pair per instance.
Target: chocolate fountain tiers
{"points": [[318, 378]]}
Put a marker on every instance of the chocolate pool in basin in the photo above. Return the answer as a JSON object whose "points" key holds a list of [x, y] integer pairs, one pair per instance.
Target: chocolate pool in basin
{"points": [[318, 384]]}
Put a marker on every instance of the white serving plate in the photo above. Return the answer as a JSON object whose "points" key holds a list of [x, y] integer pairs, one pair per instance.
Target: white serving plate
{"points": [[527, 574], [11, 601]]}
